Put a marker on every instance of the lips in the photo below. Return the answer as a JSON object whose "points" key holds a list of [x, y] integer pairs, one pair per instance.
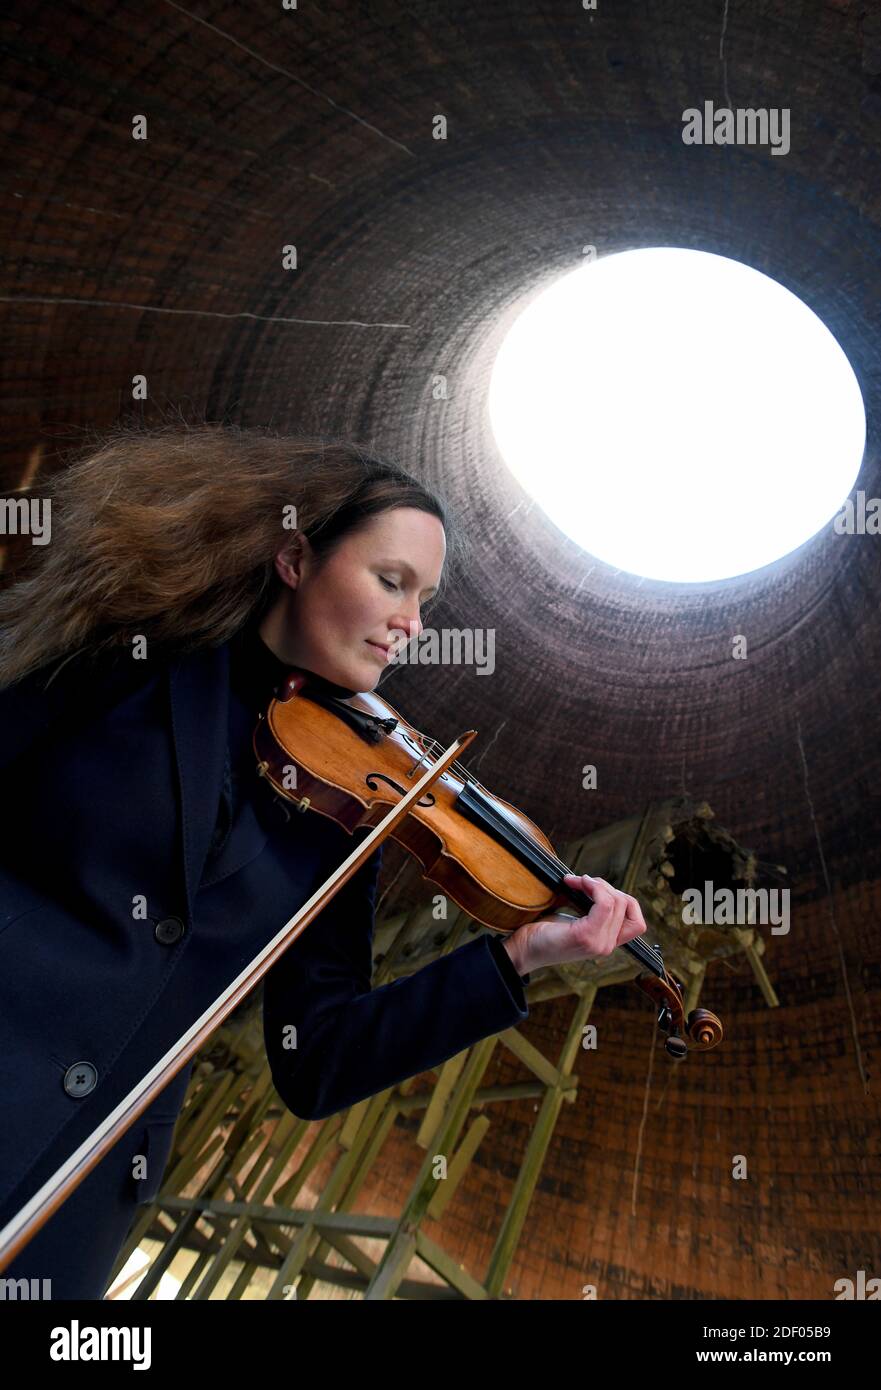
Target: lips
{"points": [[383, 647]]}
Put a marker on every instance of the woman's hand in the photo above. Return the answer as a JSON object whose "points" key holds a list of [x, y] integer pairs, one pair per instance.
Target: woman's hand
{"points": [[614, 918]]}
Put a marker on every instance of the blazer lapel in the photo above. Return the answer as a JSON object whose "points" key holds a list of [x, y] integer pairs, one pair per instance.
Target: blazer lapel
{"points": [[199, 688]]}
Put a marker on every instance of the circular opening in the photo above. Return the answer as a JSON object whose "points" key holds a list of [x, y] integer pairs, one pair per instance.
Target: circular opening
{"points": [[678, 414]]}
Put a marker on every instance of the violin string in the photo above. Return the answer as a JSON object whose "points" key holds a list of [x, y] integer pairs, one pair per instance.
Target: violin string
{"points": [[550, 859]]}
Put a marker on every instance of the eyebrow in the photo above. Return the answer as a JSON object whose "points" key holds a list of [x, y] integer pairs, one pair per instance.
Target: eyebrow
{"points": [[407, 569]]}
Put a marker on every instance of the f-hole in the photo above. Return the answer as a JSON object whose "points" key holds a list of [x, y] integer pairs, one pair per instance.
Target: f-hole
{"points": [[373, 777]]}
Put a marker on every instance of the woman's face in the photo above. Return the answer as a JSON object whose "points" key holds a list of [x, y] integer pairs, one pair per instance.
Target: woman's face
{"points": [[368, 592]]}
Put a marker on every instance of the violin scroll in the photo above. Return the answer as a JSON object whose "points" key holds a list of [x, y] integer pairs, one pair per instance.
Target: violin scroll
{"points": [[702, 1027]]}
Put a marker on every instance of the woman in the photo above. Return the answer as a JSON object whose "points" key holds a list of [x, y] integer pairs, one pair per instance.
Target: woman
{"points": [[147, 863]]}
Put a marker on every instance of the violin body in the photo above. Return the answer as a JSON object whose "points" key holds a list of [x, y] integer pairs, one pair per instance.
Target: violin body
{"points": [[341, 773]]}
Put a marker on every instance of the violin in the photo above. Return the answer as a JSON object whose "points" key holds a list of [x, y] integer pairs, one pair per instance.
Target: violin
{"points": [[353, 758]]}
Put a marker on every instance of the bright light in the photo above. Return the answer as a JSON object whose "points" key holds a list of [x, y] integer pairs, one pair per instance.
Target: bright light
{"points": [[678, 414]]}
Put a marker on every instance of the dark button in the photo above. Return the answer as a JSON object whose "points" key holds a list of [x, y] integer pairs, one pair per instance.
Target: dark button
{"points": [[169, 930], [80, 1079]]}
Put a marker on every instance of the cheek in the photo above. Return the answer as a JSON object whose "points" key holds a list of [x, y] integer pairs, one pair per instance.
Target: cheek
{"points": [[351, 610]]}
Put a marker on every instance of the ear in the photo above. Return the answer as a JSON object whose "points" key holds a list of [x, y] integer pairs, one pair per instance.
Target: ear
{"points": [[292, 559]]}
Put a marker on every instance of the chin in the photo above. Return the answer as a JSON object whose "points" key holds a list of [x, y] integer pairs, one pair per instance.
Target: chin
{"points": [[360, 676], [357, 678]]}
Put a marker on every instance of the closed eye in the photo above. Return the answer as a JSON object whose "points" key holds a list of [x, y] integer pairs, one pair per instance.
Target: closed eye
{"points": [[387, 582]]}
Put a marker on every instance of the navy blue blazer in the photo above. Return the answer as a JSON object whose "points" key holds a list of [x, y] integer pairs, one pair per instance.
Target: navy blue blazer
{"points": [[112, 943]]}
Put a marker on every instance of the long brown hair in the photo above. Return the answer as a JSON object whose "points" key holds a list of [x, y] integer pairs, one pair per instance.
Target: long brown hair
{"points": [[171, 532]]}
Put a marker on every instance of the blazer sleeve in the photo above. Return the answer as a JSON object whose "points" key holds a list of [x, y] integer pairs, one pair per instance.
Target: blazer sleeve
{"points": [[351, 1041]]}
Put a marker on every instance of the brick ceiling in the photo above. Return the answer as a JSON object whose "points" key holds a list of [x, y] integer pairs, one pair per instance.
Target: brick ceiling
{"points": [[313, 127]]}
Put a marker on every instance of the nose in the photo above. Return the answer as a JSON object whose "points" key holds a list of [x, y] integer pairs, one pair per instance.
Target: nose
{"points": [[404, 626]]}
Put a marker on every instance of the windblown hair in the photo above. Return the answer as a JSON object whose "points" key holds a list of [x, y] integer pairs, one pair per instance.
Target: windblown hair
{"points": [[171, 533]]}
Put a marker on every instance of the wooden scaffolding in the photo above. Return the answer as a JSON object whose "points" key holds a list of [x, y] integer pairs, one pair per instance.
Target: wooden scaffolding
{"points": [[231, 1221]]}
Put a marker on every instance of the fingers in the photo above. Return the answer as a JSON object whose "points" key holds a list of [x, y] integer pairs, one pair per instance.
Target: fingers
{"points": [[615, 917], [634, 922], [600, 928]]}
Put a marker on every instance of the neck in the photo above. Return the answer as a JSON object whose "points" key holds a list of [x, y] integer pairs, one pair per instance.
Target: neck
{"points": [[273, 634]]}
